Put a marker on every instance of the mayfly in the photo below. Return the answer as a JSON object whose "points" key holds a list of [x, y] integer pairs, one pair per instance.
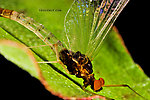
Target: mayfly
{"points": [[86, 20]]}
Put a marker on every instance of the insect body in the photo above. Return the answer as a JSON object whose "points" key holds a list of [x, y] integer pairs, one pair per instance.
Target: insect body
{"points": [[77, 64], [80, 65], [92, 19]]}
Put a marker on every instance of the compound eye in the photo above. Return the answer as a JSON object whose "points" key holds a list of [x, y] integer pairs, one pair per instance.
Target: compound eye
{"points": [[98, 84]]}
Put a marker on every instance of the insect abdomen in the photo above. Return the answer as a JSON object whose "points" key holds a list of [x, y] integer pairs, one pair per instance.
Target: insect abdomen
{"points": [[5, 13]]}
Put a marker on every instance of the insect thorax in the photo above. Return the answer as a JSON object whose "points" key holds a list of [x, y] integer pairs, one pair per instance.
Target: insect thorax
{"points": [[78, 64]]}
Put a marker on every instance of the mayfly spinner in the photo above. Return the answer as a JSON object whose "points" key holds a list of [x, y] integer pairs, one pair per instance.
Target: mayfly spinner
{"points": [[92, 19]]}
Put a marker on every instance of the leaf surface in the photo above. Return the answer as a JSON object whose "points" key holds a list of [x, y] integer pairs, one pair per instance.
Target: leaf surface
{"points": [[113, 62]]}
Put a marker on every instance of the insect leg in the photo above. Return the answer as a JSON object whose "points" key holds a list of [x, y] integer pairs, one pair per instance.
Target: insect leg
{"points": [[48, 62], [39, 46], [125, 85]]}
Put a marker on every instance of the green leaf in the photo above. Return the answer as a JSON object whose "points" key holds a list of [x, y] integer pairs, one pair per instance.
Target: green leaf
{"points": [[113, 63], [26, 61]]}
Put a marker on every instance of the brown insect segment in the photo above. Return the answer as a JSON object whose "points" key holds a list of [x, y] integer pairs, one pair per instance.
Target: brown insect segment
{"points": [[80, 65]]}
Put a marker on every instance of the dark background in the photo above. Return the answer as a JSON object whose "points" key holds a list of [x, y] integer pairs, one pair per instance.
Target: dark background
{"points": [[132, 25]]}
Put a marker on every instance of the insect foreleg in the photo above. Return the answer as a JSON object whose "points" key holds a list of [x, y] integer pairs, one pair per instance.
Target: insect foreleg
{"points": [[125, 85]]}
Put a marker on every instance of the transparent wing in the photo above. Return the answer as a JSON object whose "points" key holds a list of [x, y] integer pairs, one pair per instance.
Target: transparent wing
{"points": [[104, 17], [88, 22], [78, 24]]}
